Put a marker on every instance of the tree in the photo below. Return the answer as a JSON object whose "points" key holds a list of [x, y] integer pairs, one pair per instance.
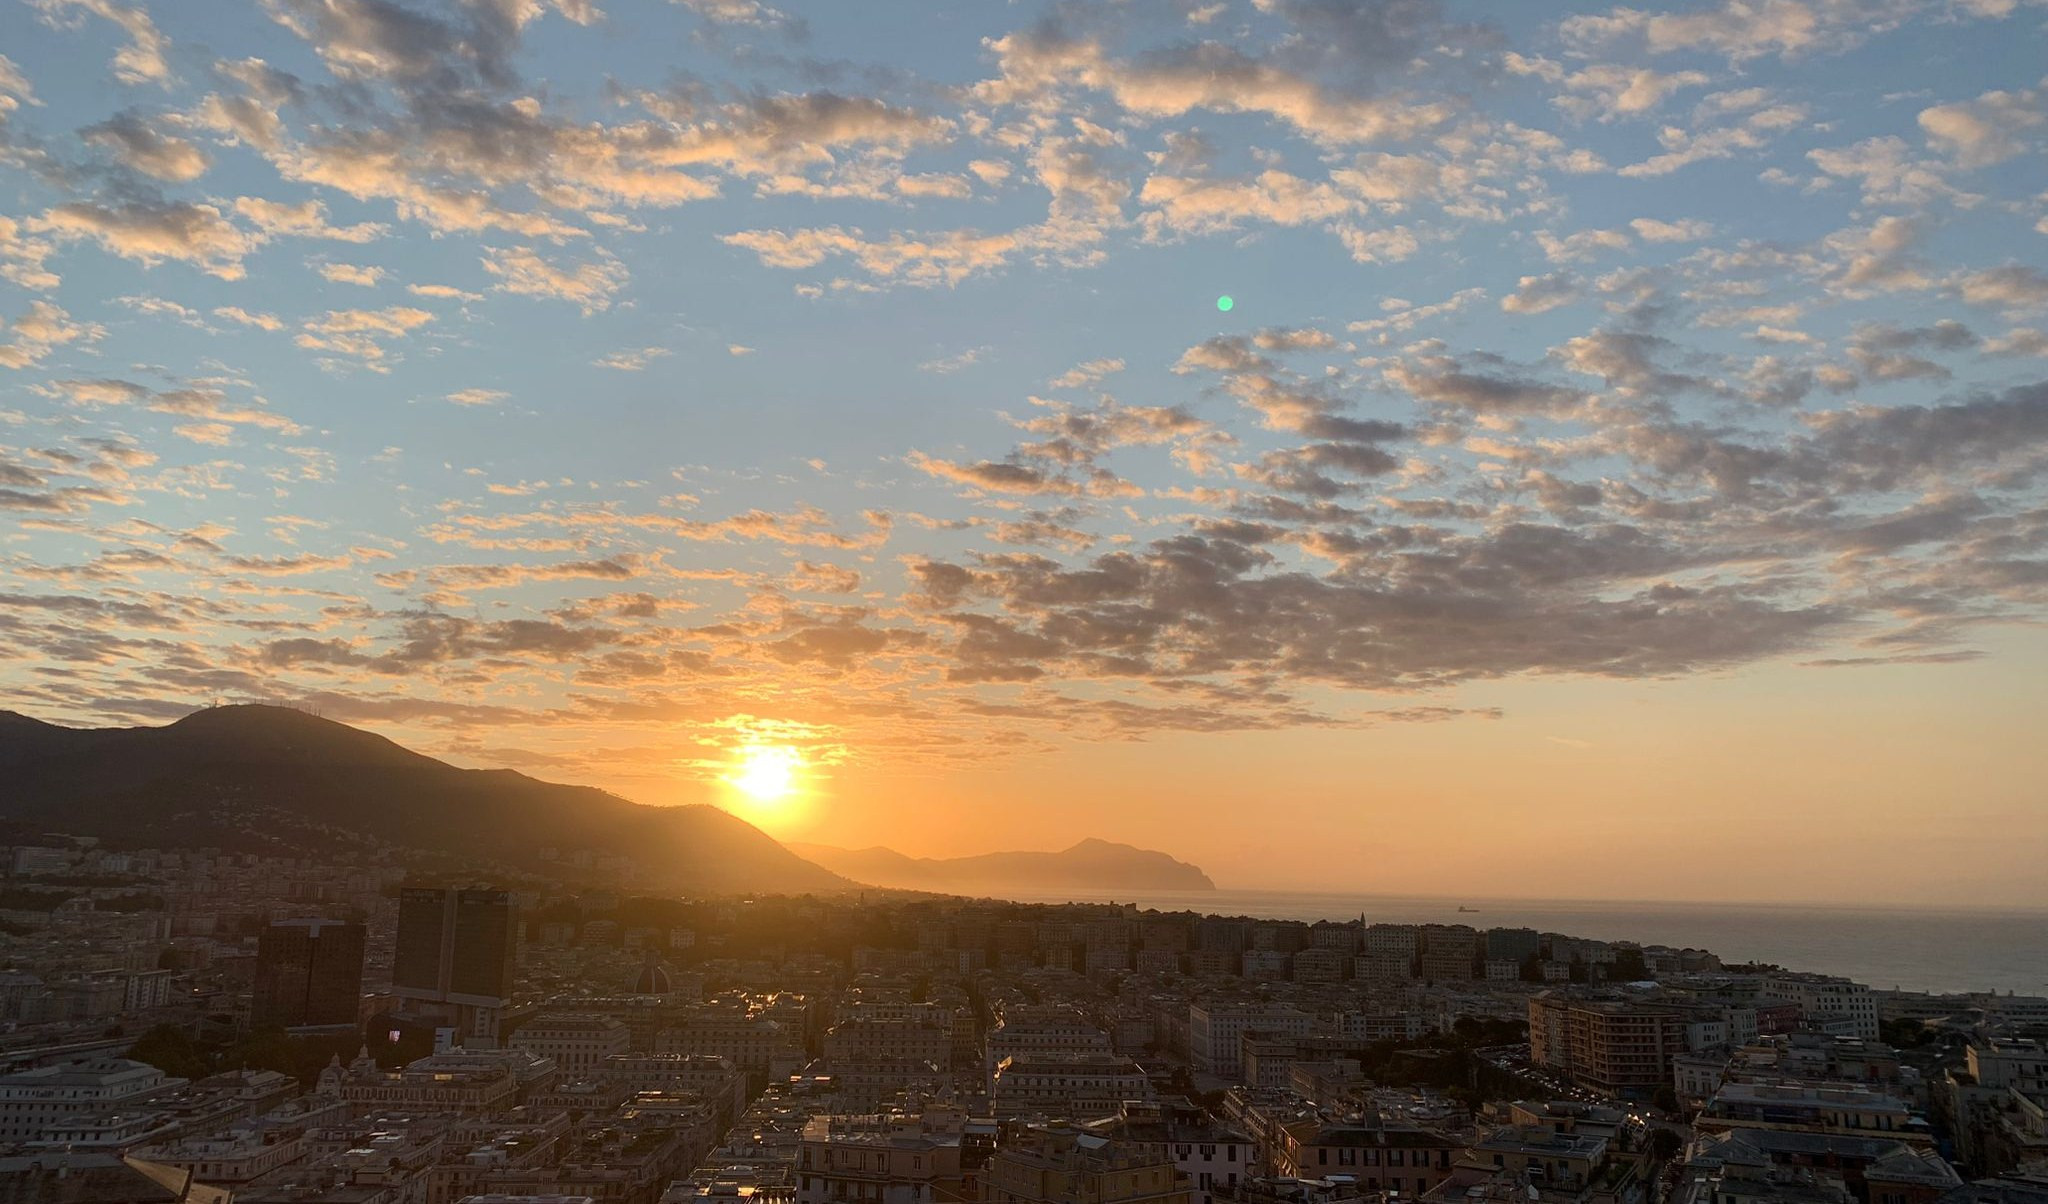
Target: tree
{"points": [[1906, 1033], [169, 1049], [266, 1049], [1665, 1144], [1665, 1098]]}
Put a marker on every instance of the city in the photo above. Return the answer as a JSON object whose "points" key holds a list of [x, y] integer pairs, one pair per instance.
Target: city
{"points": [[1023, 601], [208, 1026]]}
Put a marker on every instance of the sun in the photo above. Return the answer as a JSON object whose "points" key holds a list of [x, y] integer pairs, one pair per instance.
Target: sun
{"points": [[766, 773]]}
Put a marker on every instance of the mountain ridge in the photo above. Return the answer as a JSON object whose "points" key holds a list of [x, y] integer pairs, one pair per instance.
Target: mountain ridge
{"points": [[184, 783], [1091, 864]]}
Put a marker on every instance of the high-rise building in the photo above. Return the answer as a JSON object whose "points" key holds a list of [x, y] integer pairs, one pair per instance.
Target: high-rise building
{"points": [[1619, 1046], [457, 949], [308, 972]]}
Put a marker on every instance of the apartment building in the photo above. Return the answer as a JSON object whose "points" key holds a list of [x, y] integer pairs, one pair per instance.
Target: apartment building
{"points": [[1822, 999], [1619, 1046], [1215, 1032], [880, 1159]]}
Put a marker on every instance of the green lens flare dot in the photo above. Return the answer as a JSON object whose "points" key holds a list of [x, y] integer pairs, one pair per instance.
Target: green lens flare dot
{"points": [[1224, 304]]}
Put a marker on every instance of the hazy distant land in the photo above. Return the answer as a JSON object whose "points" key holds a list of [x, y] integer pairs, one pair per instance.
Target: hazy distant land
{"points": [[1091, 865]]}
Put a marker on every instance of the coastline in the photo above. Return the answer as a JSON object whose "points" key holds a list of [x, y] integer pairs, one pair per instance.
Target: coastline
{"points": [[1940, 950]]}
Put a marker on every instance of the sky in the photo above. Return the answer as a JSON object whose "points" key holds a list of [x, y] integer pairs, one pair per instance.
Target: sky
{"points": [[1618, 472]]}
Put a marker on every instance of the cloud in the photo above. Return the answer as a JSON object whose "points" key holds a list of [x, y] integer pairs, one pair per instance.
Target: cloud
{"points": [[151, 232], [39, 330], [1367, 40], [1443, 380], [1650, 229], [250, 118], [1207, 206], [735, 12], [307, 219], [1990, 129], [15, 89], [442, 292], [1583, 245], [243, 317], [142, 147], [1606, 91], [633, 360], [205, 405], [1541, 294], [590, 286], [1888, 173], [1740, 30], [1086, 373], [144, 60], [1683, 147], [945, 257], [947, 365], [22, 257], [359, 335], [349, 273], [2012, 286], [1374, 494]]}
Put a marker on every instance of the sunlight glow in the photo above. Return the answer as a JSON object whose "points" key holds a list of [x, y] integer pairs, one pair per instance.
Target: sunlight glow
{"points": [[767, 773]]}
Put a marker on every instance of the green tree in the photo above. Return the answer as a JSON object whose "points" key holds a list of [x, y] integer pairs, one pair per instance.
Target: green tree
{"points": [[168, 1048]]}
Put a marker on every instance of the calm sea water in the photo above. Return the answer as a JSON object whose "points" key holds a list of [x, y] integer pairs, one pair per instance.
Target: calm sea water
{"points": [[1917, 950]]}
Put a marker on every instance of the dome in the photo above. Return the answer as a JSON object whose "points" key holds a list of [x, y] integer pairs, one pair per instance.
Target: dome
{"points": [[653, 978]]}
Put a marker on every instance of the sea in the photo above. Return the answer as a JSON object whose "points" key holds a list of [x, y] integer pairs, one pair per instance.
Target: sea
{"points": [[1942, 950]]}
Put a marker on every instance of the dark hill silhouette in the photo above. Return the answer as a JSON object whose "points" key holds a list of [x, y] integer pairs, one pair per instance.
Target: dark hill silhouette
{"points": [[185, 784], [1092, 865]]}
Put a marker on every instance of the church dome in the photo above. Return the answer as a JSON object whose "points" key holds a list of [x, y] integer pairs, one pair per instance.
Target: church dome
{"points": [[653, 978]]}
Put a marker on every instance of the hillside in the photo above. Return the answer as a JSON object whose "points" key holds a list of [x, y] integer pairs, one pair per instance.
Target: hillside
{"points": [[1092, 865], [250, 776]]}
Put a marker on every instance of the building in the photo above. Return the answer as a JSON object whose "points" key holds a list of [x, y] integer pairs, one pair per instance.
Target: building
{"points": [[749, 1036], [881, 1159], [1513, 944], [98, 1102], [1812, 1108], [1077, 1086], [1539, 1154], [462, 1083], [1380, 1157], [456, 953], [1449, 952], [1061, 1164], [308, 972], [99, 1178], [577, 1042], [1618, 1046], [1822, 1000], [1211, 1158], [1368, 1027], [1215, 1033], [881, 1039], [1320, 964]]}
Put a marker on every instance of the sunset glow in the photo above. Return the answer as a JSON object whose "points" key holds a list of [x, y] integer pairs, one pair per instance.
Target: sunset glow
{"points": [[767, 774]]}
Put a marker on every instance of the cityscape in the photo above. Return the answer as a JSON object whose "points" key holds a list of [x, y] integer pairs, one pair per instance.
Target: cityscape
{"points": [[206, 1025], [1023, 601]]}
